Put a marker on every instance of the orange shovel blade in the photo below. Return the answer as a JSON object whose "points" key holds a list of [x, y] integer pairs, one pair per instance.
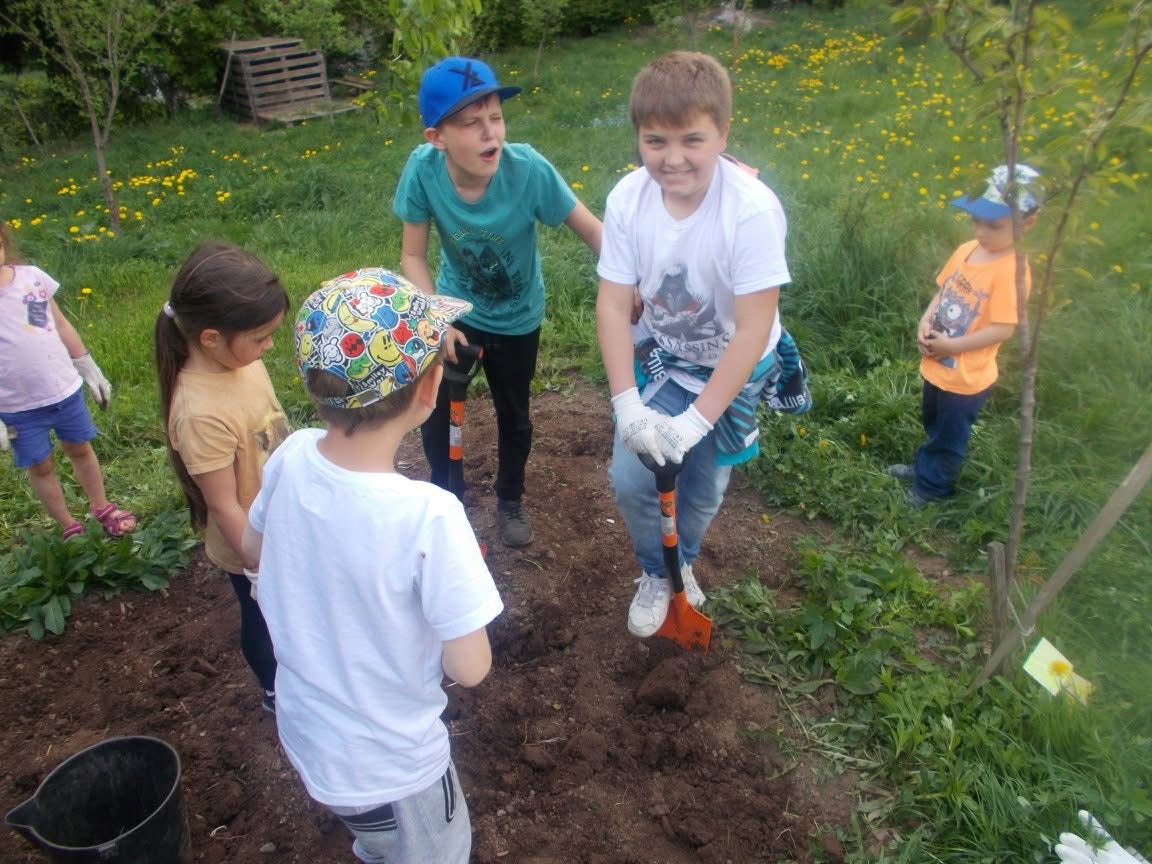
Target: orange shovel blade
{"points": [[685, 626]]}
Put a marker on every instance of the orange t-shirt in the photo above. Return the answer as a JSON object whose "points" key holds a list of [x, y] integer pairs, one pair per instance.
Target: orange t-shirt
{"points": [[972, 297]]}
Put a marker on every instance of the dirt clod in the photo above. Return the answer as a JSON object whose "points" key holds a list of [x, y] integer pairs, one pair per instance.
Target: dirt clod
{"points": [[667, 686]]}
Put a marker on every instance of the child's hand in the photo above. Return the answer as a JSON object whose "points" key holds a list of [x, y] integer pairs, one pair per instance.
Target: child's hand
{"points": [[636, 424], [936, 345], [452, 338], [1072, 849], [94, 378], [637, 306], [3, 436], [924, 330], [677, 435]]}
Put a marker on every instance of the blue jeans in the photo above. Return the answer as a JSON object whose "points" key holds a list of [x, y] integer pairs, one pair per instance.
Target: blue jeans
{"points": [[948, 419], [700, 488]]}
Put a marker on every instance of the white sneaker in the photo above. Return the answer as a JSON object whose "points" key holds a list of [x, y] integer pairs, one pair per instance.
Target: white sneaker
{"points": [[692, 590], [650, 605]]}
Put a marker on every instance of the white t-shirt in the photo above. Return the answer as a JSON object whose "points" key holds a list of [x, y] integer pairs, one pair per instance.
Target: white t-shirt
{"points": [[690, 270], [363, 576], [35, 369]]}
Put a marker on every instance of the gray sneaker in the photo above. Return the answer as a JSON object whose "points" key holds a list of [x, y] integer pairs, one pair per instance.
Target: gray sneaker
{"points": [[512, 521], [907, 473]]}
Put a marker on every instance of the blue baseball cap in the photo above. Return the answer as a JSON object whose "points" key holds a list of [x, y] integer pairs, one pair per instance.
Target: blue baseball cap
{"points": [[992, 204], [454, 83]]}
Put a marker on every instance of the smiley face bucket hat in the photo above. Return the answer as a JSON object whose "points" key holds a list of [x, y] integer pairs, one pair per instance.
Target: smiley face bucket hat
{"points": [[374, 329]]}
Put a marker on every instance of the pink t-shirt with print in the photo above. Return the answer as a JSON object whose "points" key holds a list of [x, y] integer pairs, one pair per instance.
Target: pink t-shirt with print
{"points": [[35, 369]]}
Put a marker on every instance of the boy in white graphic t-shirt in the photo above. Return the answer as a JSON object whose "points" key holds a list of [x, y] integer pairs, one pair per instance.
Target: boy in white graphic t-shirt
{"points": [[703, 242]]}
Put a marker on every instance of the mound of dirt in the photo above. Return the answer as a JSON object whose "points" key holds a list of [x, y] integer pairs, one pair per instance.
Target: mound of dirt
{"points": [[584, 745]]}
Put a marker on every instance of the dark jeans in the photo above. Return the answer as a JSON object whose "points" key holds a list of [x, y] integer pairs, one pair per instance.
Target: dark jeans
{"points": [[509, 365], [255, 643], [948, 419]]}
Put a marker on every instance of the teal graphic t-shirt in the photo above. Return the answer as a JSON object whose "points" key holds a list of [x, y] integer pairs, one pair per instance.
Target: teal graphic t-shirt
{"points": [[488, 250]]}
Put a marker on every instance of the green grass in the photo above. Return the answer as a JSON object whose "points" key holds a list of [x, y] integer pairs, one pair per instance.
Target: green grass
{"points": [[864, 135]]}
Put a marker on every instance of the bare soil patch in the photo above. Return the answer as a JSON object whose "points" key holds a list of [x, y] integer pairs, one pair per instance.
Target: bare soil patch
{"points": [[584, 746]]}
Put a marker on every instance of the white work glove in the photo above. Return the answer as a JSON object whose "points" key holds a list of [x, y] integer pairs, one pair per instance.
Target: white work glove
{"points": [[1072, 849], [3, 436], [636, 424], [94, 378], [677, 435], [253, 579]]}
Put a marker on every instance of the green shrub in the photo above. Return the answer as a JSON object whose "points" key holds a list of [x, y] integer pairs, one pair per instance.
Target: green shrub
{"points": [[40, 575]]}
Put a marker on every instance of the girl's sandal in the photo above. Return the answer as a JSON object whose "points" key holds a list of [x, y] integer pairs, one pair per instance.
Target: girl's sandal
{"points": [[116, 522], [73, 530]]}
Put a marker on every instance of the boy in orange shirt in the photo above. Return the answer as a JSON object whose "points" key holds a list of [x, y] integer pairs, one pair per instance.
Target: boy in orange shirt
{"points": [[960, 333]]}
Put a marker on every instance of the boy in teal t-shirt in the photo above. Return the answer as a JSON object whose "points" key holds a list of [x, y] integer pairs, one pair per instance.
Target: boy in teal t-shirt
{"points": [[485, 197]]}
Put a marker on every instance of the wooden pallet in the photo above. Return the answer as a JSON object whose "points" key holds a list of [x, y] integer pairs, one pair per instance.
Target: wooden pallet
{"points": [[277, 79]]}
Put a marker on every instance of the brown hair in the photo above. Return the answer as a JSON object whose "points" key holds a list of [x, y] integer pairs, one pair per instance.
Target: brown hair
{"points": [[325, 385], [672, 88], [220, 287], [8, 244]]}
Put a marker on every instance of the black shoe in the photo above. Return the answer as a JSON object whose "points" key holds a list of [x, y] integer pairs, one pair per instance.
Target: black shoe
{"points": [[268, 701], [512, 521]]}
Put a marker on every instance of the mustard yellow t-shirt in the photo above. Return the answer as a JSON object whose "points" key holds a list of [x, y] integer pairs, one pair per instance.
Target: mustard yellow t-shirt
{"points": [[972, 297], [218, 419]]}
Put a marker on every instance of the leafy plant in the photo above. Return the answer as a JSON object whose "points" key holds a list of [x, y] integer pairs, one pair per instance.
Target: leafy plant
{"points": [[40, 576], [856, 624], [422, 34]]}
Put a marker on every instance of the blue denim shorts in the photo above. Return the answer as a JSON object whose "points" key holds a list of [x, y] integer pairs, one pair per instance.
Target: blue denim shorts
{"points": [[69, 419]]}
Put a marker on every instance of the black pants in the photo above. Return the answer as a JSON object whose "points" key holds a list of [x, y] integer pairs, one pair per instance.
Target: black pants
{"points": [[509, 365], [255, 643]]}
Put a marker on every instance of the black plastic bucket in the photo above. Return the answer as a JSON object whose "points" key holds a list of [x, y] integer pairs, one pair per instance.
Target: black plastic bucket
{"points": [[118, 801]]}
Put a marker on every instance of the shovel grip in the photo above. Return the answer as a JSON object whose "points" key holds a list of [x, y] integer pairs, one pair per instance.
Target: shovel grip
{"points": [[465, 368], [665, 474]]}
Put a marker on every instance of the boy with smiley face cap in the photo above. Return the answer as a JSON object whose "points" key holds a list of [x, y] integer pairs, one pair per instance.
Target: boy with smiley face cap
{"points": [[485, 196], [372, 584]]}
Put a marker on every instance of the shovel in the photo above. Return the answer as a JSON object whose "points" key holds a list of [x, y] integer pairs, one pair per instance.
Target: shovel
{"points": [[684, 625], [457, 376]]}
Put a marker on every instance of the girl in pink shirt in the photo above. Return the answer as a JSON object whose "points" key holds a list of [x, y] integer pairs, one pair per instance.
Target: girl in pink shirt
{"points": [[45, 366]]}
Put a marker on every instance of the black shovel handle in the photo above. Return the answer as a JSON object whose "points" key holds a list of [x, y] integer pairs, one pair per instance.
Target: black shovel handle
{"points": [[666, 488], [465, 368]]}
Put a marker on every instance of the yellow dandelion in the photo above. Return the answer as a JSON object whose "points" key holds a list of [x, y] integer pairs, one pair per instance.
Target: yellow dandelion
{"points": [[85, 291], [863, 440], [1060, 668]]}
